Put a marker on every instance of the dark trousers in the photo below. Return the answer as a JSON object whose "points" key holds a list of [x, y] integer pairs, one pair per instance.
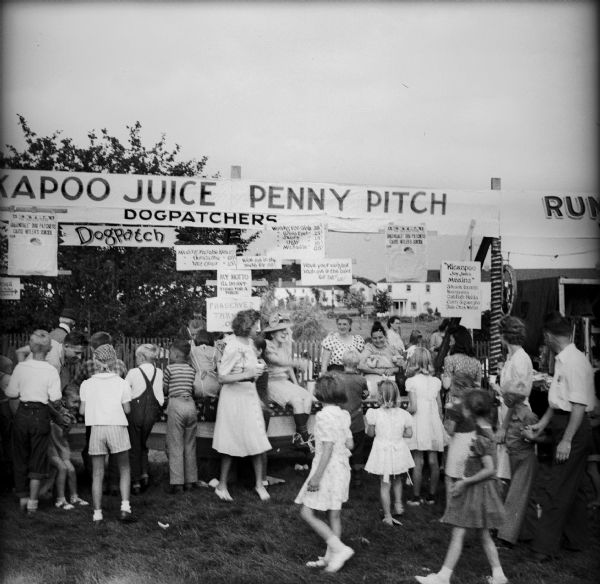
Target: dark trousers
{"points": [[564, 513], [140, 428], [31, 438]]}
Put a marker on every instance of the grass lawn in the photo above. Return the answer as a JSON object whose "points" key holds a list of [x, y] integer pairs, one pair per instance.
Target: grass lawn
{"points": [[209, 541]]}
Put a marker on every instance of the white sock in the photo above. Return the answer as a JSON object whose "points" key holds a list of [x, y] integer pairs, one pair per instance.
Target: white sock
{"points": [[498, 573], [32, 504], [335, 544], [445, 573], [98, 515], [125, 506]]}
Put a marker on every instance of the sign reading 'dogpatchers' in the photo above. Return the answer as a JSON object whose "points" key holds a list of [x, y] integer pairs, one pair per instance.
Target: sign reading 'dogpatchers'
{"points": [[32, 244], [328, 272], [234, 283], [205, 257], [10, 288], [299, 241], [221, 311], [406, 253], [461, 296]]}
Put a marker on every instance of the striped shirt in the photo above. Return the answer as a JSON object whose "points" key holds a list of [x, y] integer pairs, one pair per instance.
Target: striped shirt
{"points": [[179, 380]]}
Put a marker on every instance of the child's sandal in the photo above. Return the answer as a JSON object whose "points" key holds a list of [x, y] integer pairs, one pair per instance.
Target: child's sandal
{"points": [[320, 563]]}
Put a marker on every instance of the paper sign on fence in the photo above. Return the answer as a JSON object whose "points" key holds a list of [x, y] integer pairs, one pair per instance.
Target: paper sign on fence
{"points": [[221, 311], [32, 244], [329, 272], [205, 257], [236, 283]]}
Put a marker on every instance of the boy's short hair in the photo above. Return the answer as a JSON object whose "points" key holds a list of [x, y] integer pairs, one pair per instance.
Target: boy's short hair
{"points": [[557, 324], [351, 359], [39, 341], [75, 338], [148, 350], [478, 402], [329, 390], [100, 338], [183, 347]]}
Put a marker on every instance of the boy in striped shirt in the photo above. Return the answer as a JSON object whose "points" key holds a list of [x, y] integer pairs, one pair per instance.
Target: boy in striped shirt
{"points": [[182, 419]]}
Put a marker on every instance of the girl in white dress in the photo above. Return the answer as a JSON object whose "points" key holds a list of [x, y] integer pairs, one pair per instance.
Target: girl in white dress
{"points": [[327, 485], [390, 456], [429, 436]]}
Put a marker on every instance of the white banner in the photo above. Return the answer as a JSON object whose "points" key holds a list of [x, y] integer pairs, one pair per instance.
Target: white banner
{"points": [[32, 244], [221, 311], [237, 283], [406, 253], [205, 257], [329, 272], [10, 288], [300, 241], [116, 236], [258, 263], [461, 292]]}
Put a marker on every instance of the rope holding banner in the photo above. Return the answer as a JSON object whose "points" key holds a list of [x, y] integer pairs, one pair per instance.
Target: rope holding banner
{"points": [[496, 305]]}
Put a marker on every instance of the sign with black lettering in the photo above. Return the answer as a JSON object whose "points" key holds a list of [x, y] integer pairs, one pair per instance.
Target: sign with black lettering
{"points": [[10, 288], [205, 257], [406, 253], [116, 236], [236, 283], [328, 272], [300, 241], [461, 292], [32, 244], [258, 263]]}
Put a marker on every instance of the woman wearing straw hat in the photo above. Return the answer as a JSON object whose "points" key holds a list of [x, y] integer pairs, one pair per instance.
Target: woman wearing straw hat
{"points": [[283, 387]]}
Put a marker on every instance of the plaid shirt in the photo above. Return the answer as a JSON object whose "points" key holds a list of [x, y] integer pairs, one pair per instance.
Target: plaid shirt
{"points": [[89, 368]]}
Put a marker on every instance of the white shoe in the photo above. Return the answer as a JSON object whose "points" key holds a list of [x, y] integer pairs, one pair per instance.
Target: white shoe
{"points": [[319, 563], [64, 505], [339, 558], [431, 579], [75, 500], [492, 580]]}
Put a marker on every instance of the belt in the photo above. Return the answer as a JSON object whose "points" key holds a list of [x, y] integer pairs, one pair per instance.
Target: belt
{"points": [[33, 405]]}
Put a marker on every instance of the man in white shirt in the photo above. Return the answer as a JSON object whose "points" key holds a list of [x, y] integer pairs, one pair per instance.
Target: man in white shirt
{"points": [[570, 396]]}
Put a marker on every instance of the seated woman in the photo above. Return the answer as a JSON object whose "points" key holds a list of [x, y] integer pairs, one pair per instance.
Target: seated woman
{"points": [[283, 388], [378, 359]]}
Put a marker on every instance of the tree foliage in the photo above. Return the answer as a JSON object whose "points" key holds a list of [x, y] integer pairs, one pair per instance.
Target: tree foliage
{"points": [[131, 291], [382, 301]]}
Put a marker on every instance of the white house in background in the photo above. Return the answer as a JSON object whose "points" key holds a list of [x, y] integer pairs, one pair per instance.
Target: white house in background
{"points": [[328, 295], [414, 298]]}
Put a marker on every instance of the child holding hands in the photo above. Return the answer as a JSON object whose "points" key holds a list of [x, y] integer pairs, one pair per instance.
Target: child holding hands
{"points": [[474, 500], [390, 456], [327, 485]]}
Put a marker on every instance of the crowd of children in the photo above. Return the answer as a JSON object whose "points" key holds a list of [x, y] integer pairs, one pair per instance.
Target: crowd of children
{"points": [[120, 408]]}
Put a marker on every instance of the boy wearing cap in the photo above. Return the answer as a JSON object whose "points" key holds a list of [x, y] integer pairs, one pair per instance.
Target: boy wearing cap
{"points": [[105, 401], [34, 382], [66, 321]]}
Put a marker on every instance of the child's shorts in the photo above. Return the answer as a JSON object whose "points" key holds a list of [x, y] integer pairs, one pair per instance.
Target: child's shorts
{"points": [[109, 439]]}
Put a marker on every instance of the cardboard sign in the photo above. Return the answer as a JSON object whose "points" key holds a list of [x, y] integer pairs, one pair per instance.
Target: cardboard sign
{"points": [[300, 241], [205, 257], [461, 292], [32, 244], [236, 283], [221, 311], [258, 263], [327, 272], [10, 288], [116, 236], [406, 253]]}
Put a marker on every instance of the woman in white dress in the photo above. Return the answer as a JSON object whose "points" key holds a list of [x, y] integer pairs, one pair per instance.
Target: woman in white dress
{"points": [[240, 426]]}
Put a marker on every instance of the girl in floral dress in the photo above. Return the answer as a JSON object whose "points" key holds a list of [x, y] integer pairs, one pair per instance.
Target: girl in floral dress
{"points": [[327, 485], [475, 501]]}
